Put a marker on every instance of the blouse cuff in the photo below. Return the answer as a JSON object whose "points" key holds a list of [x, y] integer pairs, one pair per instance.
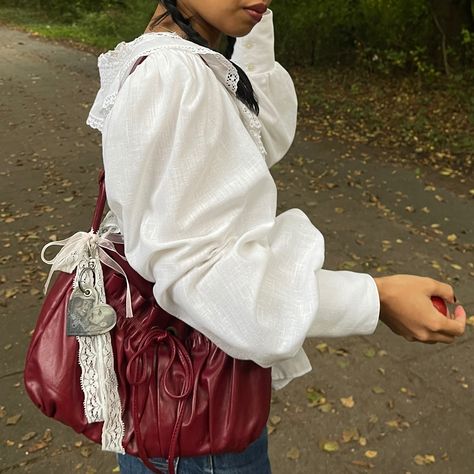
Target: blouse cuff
{"points": [[349, 305], [285, 371], [254, 52]]}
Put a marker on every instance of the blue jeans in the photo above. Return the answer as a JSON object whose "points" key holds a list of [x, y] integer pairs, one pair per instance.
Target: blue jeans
{"points": [[254, 460]]}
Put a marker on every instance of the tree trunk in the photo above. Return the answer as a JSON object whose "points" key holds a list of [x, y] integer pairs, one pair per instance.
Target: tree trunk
{"points": [[453, 16], [450, 18]]}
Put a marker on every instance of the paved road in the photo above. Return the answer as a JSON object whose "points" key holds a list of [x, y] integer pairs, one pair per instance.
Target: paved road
{"points": [[409, 399]]}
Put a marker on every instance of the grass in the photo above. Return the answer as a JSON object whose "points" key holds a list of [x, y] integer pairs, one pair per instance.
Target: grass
{"points": [[101, 31]]}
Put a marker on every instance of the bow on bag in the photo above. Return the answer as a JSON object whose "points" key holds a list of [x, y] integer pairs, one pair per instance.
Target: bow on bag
{"points": [[84, 246]]}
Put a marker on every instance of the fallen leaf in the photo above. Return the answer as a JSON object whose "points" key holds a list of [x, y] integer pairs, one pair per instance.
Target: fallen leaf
{"points": [[342, 352], [13, 420], [275, 419], [422, 460], [348, 402], [446, 172], [378, 390], [393, 423], [86, 451], [373, 419], [325, 407], [28, 436], [370, 352], [351, 434], [293, 454], [11, 292], [322, 347], [47, 436], [330, 446], [370, 454], [408, 392], [315, 398], [38, 446]]}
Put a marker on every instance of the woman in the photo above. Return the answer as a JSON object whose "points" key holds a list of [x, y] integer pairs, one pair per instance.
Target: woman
{"points": [[188, 138]]}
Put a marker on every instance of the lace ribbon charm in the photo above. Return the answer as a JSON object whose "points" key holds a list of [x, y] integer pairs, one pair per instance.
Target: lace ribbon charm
{"points": [[84, 253], [80, 247]]}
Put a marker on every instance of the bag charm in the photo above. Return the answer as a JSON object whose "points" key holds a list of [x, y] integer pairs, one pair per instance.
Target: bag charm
{"points": [[86, 316]]}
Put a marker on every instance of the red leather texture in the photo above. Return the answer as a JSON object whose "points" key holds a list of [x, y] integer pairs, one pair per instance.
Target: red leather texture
{"points": [[181, 395]]}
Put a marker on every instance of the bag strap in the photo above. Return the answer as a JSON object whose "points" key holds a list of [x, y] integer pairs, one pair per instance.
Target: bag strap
{"points": [[100, 204]]}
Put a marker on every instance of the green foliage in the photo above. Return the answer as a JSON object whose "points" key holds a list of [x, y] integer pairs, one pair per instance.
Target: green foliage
{"points": [[386, 36], [99, 23], [382, 36]]}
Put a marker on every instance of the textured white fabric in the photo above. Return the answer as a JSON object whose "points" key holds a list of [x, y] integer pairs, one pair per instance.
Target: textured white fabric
{"points": [[192, 194]]}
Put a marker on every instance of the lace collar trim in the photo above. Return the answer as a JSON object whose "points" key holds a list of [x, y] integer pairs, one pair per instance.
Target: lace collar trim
{"points": [[115, 66]]}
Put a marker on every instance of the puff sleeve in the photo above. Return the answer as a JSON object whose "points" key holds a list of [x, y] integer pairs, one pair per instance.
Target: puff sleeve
{"points": [[197, 207]]}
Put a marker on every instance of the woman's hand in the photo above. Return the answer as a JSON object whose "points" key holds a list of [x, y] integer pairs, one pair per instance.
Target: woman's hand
{"points": [[406, 308]]}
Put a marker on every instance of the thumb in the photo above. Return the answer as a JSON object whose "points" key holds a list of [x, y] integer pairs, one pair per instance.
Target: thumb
{"points": [[460, 314]]}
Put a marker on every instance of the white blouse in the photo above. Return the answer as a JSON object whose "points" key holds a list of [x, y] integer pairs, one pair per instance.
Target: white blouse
{"points": [[187, 178]]}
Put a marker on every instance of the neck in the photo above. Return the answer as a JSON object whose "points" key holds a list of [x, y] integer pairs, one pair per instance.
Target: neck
{"points": [[207, 31]]}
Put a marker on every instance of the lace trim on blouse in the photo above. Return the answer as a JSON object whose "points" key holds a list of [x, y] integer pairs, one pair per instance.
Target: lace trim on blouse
{"points": [[115, 67]]}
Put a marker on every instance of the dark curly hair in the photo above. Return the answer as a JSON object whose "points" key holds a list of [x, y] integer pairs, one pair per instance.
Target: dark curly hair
{"points": [[245, 92]]}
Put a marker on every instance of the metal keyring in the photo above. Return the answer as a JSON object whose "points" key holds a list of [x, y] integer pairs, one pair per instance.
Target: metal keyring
{"points": [[86, 291]]}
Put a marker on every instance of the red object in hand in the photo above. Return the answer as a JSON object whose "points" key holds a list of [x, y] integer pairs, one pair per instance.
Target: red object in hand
{"points": [[440, 305]]}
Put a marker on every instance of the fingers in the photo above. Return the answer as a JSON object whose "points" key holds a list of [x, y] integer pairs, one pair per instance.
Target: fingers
{"points": [[443, 290], [454, 327], [435, 337]]}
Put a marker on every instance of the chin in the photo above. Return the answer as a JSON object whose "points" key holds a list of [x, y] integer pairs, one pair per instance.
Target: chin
{"points": [[243, 31]]}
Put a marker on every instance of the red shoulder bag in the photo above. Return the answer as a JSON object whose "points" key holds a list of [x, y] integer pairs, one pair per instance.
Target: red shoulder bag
{"points": [[180, 395]]}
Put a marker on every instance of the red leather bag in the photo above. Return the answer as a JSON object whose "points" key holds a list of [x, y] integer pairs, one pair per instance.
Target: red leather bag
{"points": [[180, 394]]}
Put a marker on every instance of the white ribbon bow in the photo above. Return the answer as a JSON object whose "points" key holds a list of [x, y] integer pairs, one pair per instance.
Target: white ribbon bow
{"points": [[86, 243]]}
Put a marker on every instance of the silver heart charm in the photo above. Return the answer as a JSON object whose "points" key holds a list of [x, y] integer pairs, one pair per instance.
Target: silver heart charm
{"points": [[80, 306]]}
